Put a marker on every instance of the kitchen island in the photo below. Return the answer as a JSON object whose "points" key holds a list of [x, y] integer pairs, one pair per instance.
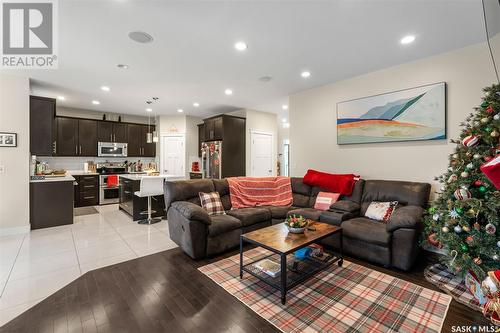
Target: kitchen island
{"points": [[51, 201], [134, 205]]}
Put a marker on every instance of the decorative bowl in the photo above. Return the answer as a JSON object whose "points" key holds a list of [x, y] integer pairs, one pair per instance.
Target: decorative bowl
{"points": [[296, 224], [295, 230]]}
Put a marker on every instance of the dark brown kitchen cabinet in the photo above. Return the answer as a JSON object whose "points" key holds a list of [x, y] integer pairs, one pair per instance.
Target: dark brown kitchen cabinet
{"points": [[134, 132], [51, 204], [108, 131], [76, 137], [87, 137], [137, 145], [42, 126], [67, 136], [86, 192], [213, 128], [201, 137]]}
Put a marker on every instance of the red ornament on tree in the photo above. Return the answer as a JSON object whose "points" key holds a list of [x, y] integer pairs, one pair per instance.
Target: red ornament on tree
{"points": [[470, 141], [489, 110], [478, 183]]}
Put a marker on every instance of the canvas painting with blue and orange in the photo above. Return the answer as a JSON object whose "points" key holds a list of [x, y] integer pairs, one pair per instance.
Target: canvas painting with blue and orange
{"points": [[406, 115]]}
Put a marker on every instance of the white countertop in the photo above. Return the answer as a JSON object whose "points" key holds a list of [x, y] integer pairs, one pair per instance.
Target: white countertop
{"points": [[139, 176], [66, 178], [81, 173]]}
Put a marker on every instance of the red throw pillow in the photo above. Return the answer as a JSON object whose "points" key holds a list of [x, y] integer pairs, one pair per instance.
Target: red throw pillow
{"points": [[337, 183], [325, 199]]}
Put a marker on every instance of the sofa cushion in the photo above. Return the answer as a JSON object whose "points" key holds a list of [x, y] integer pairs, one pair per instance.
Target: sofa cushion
{"points": [[335, 218], [249, 216], [279, 212], [222, 224], [406, 193], [367, 230], [222, 186], [301, 193], [186, 190], [308, 213]]}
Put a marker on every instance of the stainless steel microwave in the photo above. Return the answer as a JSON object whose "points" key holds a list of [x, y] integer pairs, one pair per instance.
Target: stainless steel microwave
{"points": [[112, 149]]}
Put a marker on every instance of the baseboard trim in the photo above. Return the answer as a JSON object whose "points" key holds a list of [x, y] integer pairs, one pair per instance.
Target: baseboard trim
{"points": [[15, 230]]}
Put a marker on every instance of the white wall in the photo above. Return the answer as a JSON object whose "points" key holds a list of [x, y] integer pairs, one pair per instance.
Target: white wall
{"points": [[14, 182], [263, 122], [313, 139], [283, 134], [91, 114]]}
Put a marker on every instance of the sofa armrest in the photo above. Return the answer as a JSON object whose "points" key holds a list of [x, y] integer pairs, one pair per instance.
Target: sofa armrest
{"points": [[191, 211], [345, 206], [405, 217]]}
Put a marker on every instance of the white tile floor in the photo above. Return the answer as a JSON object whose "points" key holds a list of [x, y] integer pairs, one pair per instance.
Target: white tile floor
{"points": [[35, 265]]}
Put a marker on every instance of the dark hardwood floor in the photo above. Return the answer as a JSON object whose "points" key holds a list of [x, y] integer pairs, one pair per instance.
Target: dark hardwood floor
{"points": [[165, 292]]}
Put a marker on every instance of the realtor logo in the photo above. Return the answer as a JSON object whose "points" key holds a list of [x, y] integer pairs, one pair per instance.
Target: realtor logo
{"points": [[29, 34]]}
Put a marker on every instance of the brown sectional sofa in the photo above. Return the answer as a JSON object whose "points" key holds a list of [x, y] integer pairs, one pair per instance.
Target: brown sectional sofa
{"points": [[390, 244]]}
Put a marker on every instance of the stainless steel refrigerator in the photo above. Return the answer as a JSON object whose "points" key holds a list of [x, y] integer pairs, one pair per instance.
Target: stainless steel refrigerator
{"points": [[211, 159]]}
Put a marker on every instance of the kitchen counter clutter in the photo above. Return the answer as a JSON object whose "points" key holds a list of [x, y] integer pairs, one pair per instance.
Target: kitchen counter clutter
{"points": [[48, 178]]}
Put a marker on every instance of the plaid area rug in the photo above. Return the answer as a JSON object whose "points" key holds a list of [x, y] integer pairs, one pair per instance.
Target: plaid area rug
{"points": [[351, 298], [442, 278]]}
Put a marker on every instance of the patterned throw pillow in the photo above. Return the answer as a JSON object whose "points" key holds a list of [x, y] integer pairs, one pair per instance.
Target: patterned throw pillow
{"points": [[212, 203], [381, 211], [325, 199]]}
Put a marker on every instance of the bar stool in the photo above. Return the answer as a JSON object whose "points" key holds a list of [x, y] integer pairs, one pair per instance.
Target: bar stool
{"points": [[150, 186]]}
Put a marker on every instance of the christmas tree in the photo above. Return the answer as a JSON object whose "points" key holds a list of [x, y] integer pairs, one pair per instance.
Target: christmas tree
{"points": [[464, 219]]}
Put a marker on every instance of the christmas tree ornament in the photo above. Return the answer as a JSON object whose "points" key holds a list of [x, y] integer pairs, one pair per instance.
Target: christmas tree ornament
{"points": [[489, 109], [450, 168], [462, 194], [484, 104], [496, 117], [453, 214], [457, 229], [471, 212], [482, 189], [485, 120], [432, 210], [495, 257], [477, 183], [468, 154], [488, 129], [490, 229], [477, 226], [433, 241], [464, 248], [494, 134], [466, 228], [477, 261], [469, 141], [470, 166], [498, 244], [459, 210], [445, 229], [464, 174], [455, 156], [476, 156], [469, 239], [452, 178], [435, 217]]}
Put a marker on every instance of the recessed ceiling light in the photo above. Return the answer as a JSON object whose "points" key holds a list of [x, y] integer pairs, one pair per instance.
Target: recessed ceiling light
{"points": [[122, 66], [180, 110], [407, 39], [140, 37], [149, 109], [305, 74], [96, 102], [228, 92], [284, 107], [283, 120], [196, 104], [240, 46], [61, 98], [105, 88]]}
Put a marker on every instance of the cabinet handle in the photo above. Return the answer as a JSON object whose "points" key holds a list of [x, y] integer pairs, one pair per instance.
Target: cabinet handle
{"points": [[128, 192], [76, 150], [80, 150], [88, 197], [54, 147], [88, 186], [114, 137], [111, 138]]}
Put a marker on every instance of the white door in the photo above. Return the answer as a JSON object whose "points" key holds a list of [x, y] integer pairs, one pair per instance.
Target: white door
{"points": [[261, 154], [172, 155]]}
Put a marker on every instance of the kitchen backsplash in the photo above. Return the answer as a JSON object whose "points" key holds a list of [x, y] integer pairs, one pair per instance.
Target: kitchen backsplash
{"points": [[76, 163]]}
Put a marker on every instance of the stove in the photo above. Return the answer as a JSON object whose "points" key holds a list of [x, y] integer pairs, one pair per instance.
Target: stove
{"points": [[109, 194]]}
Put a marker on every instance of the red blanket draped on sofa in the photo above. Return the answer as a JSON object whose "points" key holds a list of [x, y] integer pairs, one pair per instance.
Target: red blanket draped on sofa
{"points": [[336, 183], [265, 191]]}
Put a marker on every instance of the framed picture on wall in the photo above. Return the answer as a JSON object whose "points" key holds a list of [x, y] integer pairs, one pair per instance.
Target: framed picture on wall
{"points": [[406, 115], [8, 139]]}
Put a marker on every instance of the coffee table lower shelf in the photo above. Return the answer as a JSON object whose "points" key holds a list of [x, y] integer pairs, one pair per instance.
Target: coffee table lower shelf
{"points": [[297, 271]]}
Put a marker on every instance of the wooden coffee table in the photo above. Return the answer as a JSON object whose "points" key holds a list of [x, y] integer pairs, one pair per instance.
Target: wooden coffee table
{"points": [[280, 242]]}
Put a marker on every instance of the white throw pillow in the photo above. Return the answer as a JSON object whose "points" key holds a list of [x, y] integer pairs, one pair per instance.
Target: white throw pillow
{"points": [[381, 211]]}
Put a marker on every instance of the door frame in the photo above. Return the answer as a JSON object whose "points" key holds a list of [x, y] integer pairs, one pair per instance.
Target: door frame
{"points": [[271, 134], [162, 150]]}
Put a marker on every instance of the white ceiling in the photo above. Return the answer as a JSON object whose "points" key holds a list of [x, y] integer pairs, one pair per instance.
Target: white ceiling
{"points": [[192, 58]]}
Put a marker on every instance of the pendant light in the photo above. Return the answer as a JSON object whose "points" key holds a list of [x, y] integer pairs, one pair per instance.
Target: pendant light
{"points": [[149, 135], [155, 132]]}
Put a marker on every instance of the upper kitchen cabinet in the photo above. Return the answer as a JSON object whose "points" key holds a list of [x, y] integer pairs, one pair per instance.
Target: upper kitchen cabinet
{"points": [[213, 128], [76, 137], [137, 144], [201, 137], [108, 131], [42, 126]]}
